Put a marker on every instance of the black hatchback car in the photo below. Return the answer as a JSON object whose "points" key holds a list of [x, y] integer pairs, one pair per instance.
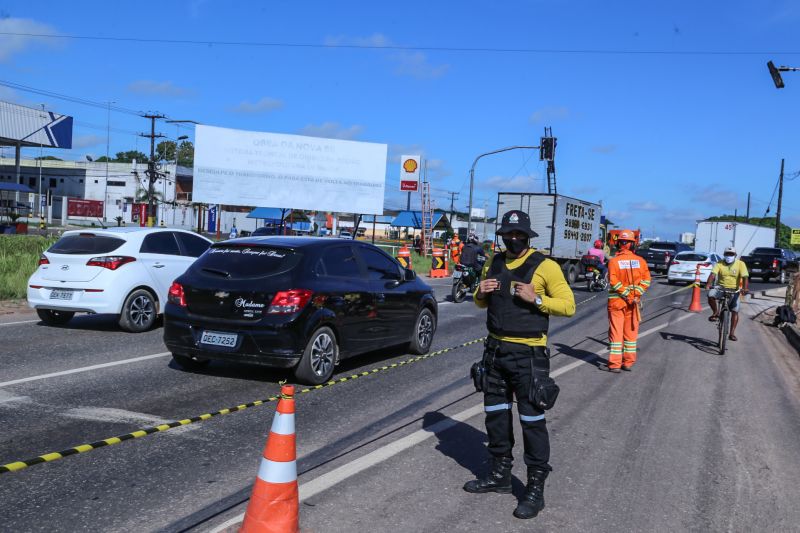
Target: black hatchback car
{"points": [[296, 302]]}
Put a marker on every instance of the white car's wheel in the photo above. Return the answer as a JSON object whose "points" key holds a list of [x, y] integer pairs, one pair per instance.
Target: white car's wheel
{"points": [[138, 312]]}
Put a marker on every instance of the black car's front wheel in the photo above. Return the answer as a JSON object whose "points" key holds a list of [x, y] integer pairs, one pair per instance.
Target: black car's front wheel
{"points": [[422, 337], [319, 358]]}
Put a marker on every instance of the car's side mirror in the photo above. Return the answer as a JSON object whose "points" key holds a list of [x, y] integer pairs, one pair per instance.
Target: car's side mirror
{"points": [[409, 275]]}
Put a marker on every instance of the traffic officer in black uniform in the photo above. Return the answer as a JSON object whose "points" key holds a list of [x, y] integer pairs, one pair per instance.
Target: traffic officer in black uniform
{"points": [[520, 288]]}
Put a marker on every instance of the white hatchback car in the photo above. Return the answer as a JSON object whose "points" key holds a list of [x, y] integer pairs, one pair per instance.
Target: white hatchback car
{"points": [[123, 271], [684, 266]]}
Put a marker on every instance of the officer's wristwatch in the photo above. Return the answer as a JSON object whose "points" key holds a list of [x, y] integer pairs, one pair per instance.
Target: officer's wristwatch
{"points": [[538, 300]]}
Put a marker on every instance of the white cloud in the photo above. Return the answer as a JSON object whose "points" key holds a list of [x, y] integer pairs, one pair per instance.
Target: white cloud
{"points": [[332, 130], [13, 44], [407, 63], [160, 88], [86, 141], [515, 184], [265, 105], [604, 148], [645, 206], [549, 114], [716, 195]]}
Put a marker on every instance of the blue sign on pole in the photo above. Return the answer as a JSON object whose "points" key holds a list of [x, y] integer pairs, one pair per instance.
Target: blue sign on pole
{"points": [[212, 219]]}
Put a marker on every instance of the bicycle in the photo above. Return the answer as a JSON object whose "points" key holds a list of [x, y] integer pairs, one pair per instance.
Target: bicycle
{"points": [[724, 322]]}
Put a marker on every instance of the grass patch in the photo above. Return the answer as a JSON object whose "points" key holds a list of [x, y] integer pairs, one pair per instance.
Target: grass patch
{"points": [[19, 258]]}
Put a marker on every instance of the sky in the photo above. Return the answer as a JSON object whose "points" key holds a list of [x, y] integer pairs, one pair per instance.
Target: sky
{"points": [[665, 112]]}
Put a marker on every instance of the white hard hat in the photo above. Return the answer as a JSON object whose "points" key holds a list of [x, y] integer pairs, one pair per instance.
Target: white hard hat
{"points": [[729, 250]]}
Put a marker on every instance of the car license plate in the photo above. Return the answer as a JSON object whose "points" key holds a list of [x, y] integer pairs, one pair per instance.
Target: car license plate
{"points": [[651, 265], [215, 338], [456, 274], [61, 294], [756, 270]]}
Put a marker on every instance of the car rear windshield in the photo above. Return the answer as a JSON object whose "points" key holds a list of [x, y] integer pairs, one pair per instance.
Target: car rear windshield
{"points": [[243, 261], [86, 243], [691, 257], [767, 251], [671, 246]]}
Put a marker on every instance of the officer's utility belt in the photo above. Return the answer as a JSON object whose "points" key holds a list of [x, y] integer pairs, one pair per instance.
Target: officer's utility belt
{"points": [[532, 335]]}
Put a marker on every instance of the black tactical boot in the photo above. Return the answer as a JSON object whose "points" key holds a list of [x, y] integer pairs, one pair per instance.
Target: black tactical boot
{"points": [[497, 480], [533, 500]]}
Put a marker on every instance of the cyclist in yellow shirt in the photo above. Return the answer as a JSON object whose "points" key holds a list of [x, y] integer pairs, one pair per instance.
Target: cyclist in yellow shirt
{"points": [[730, 274]]}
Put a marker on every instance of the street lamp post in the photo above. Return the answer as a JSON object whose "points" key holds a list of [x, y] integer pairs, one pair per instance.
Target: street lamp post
{"points": [[108, 142], [40, 168], [472, 176], [775, 72]]}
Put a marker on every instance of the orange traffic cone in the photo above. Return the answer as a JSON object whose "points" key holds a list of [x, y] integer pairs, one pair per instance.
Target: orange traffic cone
{"points": [[695, 306], [274, 503]]}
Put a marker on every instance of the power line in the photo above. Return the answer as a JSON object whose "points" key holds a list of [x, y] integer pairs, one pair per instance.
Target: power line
{"points": [[391, 47], [102, 105]]}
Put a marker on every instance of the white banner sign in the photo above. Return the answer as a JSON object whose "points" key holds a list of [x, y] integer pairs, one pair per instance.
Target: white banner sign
{"points": [[250, 168]]}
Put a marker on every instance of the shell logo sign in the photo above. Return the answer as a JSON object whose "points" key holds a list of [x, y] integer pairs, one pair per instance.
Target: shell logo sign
{"points": [[409, 173]]}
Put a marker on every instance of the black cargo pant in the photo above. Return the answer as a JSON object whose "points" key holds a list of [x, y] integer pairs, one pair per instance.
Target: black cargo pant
{"points": [[510, 374]]}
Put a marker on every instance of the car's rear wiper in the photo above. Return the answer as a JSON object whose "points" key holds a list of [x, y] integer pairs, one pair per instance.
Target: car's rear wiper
{"points": [[217, 272]]}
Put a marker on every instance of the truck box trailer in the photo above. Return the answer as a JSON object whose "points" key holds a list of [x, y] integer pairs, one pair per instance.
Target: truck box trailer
{"points": [[567, 227], [715, 236]]}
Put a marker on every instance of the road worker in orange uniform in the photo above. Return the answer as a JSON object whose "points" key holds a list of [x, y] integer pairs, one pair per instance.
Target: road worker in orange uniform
{"points": [[628, 280], [455, 249]]}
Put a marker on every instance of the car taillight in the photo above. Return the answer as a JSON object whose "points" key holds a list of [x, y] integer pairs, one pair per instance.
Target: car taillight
{"points": [[774, 263], [176, 295], [675, 262], [111, 262], [43, 260], [705, 265], [286, 302]]}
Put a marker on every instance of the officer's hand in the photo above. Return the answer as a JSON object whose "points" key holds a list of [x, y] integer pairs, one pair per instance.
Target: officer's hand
{"points": [[488, 285], [525, 291], [629, 299]]}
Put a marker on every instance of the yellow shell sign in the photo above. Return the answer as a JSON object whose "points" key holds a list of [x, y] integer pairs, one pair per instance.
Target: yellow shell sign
{"points": [[410, 166]]}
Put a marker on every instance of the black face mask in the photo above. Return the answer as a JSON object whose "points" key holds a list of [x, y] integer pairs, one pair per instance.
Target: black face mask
{"points": [[515, 246]]}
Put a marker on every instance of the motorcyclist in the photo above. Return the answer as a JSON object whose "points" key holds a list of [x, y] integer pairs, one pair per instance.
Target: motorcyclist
{"points": [[597, 251], [471, 252]]}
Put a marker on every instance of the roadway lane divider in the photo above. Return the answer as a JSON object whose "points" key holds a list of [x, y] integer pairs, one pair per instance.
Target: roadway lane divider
{"points": [[83, 448]]}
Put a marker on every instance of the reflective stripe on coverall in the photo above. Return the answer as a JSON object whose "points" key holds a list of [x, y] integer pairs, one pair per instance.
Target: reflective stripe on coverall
{"points": [[628, 276]]}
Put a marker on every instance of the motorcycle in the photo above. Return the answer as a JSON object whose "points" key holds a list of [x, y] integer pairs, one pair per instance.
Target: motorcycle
{"points": [[595, 280], [465, 280]]}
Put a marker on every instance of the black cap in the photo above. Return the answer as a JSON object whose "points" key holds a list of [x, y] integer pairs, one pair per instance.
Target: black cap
{"points": [[516, 221]]}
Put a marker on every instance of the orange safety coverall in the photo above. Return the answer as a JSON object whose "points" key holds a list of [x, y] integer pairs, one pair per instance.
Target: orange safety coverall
{"points": [[629, 279], [455, 250]]}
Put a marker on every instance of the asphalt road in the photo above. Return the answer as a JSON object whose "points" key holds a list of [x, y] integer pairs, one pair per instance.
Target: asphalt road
{"points": [[689, 440]]}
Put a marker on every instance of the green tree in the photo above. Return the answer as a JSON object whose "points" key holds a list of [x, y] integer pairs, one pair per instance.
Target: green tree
{"points": [[165, 151], [186, 154], [129, 156], [48, 158]]}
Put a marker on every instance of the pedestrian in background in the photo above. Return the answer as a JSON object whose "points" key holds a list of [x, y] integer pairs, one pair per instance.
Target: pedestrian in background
{"points": [[520, 289]]}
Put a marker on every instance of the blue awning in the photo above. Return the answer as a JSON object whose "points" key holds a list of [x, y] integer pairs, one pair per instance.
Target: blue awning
{"points": [[16, 187], [413, 219], [268, 213]]}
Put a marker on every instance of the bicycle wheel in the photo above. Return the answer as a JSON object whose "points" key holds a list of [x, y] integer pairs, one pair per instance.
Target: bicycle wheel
{"points": [[724, 326]]}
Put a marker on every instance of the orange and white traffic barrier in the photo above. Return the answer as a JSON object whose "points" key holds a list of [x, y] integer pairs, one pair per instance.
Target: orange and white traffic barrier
{"points": [[274, 502], [696, 306], [438, 264], [404, 257]]}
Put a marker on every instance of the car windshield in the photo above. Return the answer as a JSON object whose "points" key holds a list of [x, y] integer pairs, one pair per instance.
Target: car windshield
{"points": [[767, 251], [691, 257], [246, 261], [85, 244]]}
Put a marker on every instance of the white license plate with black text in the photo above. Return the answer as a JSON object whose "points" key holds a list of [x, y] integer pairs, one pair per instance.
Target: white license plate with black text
{"points": [[61, 294], [756, 270], [651, 265], [215, 338], [456, 274]]}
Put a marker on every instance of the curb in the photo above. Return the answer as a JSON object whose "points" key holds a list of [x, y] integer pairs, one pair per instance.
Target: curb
{"points": [[792, 335]]}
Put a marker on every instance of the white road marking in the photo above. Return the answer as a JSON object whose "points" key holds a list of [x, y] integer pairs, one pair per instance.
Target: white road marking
{"points": [[18, 322], [83, 369], [123, 416], [337, 475], [8, 398]]}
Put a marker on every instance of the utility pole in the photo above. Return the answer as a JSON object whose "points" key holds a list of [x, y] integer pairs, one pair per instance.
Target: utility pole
{"points": [[152, 172], [453, 197], [778, 213], [747, 217]]}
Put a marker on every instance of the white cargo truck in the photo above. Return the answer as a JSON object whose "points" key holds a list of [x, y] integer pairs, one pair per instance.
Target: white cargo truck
{"points": [[567, 227], [715, 236]]}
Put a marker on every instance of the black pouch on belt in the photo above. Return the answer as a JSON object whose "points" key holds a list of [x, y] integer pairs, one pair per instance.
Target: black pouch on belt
{"points": [[544, 390], [479, 372]]}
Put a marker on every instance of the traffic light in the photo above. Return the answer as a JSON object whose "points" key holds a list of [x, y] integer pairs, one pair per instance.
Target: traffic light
{"points": [[776, 75], [547, 149]]}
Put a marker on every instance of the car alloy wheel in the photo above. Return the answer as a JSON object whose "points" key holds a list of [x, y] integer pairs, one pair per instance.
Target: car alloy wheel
{"points": [[138, 312], [425, 331], [142, 310], [322, 354], [319, 357]]}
